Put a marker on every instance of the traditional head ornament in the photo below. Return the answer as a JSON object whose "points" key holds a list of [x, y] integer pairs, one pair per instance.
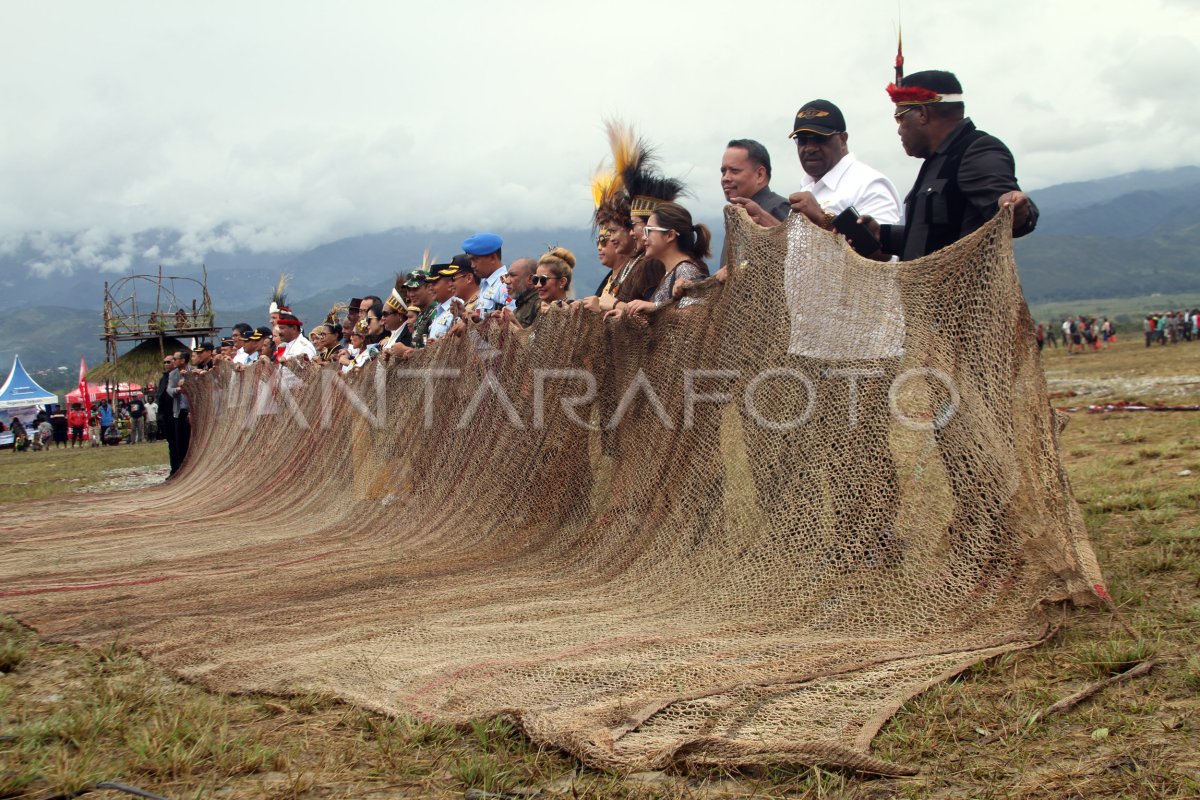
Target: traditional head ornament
{"points": [[395, 302], [926, 88], [278, 298], [288, 318], [334, 315], [608, 183], [645, 186]]}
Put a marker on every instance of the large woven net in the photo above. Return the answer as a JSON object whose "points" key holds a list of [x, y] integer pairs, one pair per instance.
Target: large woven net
{"points": [[787, 508]]}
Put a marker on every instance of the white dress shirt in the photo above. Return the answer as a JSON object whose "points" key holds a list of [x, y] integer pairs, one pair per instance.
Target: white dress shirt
{"points": [[853, 183]]}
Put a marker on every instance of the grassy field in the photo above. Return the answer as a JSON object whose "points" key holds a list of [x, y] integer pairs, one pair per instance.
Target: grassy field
{"points": [[35, 476], [70, 718]]}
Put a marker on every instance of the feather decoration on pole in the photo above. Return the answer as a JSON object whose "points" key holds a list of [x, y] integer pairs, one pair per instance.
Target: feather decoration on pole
{"points": [[899, 56]]}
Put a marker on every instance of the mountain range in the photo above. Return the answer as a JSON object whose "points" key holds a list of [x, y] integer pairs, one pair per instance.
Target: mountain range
{"points": [[1132, 234]]}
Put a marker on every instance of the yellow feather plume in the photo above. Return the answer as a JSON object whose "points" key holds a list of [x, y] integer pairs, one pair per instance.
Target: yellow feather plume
{"points": [[626, 150], [605, 184]]}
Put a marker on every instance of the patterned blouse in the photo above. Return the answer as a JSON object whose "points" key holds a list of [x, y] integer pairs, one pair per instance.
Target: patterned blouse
{"points": [[684, 270]]}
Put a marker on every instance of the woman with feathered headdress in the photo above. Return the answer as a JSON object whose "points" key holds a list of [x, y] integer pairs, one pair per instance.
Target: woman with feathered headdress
{"points": [[634, 188]]}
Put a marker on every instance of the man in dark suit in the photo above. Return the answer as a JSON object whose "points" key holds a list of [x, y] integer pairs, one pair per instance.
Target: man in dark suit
{"points": [[966, 177], [166, 414]]}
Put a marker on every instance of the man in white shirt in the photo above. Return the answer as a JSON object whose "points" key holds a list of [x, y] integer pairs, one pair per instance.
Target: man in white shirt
{"points": [[294, 343], [295, 346], [443, 293], [240, 332], [484, 251], [837, 180], [151, 418], [848, 342]]}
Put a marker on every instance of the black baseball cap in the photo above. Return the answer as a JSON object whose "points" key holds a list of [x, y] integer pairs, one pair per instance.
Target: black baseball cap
{"points": [[820, 117]]}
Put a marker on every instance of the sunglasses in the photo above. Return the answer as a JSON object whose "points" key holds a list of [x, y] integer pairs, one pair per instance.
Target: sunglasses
{"points": [[646, 230], [388, 312], [540, 280], [902, 112]]}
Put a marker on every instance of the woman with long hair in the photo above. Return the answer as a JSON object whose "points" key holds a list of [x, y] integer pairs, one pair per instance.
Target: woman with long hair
{"points": [[671, 238]]}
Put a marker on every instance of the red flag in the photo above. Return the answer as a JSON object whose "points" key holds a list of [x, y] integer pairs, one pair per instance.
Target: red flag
{"points": [[83, 387]]}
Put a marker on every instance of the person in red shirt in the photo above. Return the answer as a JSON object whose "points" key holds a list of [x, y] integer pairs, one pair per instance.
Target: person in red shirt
{"points": [[76, 421]]}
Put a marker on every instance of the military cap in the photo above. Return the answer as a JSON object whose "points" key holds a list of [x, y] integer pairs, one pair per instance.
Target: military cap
{"points": [[482, 244]]}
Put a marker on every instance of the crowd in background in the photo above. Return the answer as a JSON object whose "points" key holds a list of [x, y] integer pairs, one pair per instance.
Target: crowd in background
{"points": [[132, 420], [1080, 334]]}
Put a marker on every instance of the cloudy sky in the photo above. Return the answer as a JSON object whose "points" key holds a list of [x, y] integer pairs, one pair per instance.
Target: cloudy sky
{"points": [[281, 125]]}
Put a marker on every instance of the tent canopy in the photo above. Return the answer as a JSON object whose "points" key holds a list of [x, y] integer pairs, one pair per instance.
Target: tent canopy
{"points": [[22, 391], [122, 391]]}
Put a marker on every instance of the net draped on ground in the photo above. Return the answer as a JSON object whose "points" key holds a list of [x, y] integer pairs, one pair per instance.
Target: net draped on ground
{"points": [[667, 586]]}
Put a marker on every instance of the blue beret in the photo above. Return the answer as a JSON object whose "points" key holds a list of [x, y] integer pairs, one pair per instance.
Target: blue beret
{"points": [[482, 244]]}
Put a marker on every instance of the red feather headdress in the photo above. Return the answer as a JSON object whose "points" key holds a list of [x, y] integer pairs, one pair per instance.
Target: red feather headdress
{"points": [[918, 96]]}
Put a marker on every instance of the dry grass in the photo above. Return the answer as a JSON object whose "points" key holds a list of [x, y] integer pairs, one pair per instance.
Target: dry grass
{"points": [[70, 718]]}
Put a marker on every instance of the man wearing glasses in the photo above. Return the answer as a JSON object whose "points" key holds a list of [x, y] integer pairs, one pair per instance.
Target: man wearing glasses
{"points": [[966, 177]]}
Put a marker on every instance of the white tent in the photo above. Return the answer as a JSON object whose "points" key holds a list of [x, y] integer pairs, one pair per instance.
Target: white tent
{"points": [[21, 397]]}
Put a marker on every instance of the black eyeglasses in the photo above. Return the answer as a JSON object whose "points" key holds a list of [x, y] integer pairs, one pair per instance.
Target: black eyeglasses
{"points": [[539, 280]]}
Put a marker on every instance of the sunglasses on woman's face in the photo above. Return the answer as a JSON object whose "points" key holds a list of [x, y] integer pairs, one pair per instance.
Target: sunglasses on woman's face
{"points": [[646, 230], [539, 280]]}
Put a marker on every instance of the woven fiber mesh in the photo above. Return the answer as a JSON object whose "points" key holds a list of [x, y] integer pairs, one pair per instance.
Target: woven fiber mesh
{"points": [[674, 581]]}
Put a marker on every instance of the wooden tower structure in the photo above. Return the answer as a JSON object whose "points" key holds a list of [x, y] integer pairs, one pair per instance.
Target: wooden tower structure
{"points": [[148, 307]]}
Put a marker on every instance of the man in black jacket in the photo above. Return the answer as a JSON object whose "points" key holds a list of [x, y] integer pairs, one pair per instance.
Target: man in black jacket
{"points": [[966, 177], [166, 417]]}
